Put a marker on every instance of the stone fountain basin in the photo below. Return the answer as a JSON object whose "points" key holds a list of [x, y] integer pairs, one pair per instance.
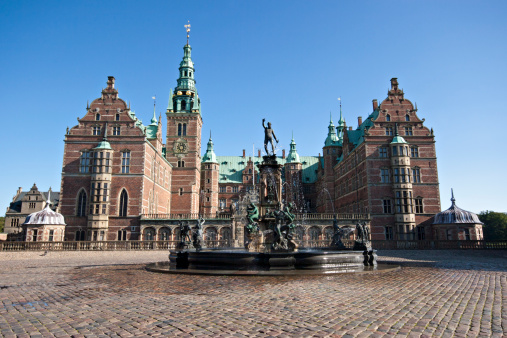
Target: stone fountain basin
{"points": [[242, 262]]}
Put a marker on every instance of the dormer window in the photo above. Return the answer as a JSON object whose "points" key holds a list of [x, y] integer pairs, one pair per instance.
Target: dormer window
{"points": [[97, 117], [407, 118], [388, 117], [117, 117]]}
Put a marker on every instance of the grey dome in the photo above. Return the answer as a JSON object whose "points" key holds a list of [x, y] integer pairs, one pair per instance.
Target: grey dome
{"points": [[45, 216], [456, 215]]}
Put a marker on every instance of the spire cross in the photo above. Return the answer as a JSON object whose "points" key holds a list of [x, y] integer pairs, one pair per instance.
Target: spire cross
{"points": [[187, 28]]}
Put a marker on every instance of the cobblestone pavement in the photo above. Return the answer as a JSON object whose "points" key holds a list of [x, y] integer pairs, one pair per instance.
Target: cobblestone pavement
{"points": [[88, 294]]}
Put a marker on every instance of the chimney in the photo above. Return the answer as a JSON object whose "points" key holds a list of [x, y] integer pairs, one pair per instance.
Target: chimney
{"points": [[350, 128], [359, 120], [283, 153], [259, 153], [110, 82], [375, 104], [244, 155]]}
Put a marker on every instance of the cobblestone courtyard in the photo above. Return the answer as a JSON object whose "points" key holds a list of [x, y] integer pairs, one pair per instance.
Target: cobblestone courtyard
{"points": [[436, 293]]}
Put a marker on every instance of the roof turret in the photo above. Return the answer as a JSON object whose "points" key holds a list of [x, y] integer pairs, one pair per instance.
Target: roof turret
{"points": [[332, 138], [293, 156], [209, 156], [341, 123], [397, 138], [104, 144]]}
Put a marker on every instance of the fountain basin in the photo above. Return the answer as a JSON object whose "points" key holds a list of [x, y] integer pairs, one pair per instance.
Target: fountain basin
{"points": [[242, 262]]}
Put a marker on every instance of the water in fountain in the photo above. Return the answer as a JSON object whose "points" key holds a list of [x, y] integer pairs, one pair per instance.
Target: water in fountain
{"points": [[322, 198]]}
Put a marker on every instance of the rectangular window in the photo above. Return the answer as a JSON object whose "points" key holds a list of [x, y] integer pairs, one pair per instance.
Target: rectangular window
{"points": [[414, 151], [418, 205], [222, 203], [84, 162], [389, 131], [104, 193], [122, 235], [383, 151], [395, 151], [384, 175], [234, 189], [223, 189], [34, 235], [96, 130], [416, 175], [103, 209], [387, 206], [116, 131], [389, 233], [420, 233], [51, 235], [396, 175], [408, 131], [125, 162]]}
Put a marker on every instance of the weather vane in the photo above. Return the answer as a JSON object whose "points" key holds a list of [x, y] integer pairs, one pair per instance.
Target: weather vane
{"points": [[187, 27], [340, 99]]}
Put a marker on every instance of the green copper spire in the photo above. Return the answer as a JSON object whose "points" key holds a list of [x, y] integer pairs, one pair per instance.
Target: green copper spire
{"points": [[397, 138], [104, 144], [293, 156], [341, 123], [154, 118], [209, 156], [331, 139], [185, 99]]}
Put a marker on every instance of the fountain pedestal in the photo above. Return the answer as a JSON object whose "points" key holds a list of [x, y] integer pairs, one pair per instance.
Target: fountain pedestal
{"points": [[270, 173]]}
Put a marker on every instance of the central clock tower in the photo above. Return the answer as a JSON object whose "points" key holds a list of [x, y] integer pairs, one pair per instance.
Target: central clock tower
{"points": [[183, 145]]}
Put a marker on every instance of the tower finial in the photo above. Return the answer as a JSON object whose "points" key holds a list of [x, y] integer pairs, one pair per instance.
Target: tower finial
{"points": [[396, 130], [187, 28], [453, 200], [210, 134], [154, 118]]}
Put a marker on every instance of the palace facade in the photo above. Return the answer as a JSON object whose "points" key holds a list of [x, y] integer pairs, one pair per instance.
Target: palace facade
{"points": [[121, 180]]}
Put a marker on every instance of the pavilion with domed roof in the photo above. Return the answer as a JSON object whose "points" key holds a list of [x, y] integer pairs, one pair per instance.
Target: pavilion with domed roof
{"points": [[457, 224], [44, 226]]}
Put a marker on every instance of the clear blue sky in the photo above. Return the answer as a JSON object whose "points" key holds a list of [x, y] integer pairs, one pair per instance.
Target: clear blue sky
{"points": [[287, 61]]}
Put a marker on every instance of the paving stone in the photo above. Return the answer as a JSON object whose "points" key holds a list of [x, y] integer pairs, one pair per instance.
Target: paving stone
{"points": [[98, 294]]}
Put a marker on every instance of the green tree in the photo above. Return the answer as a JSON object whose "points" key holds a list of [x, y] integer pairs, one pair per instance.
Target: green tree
{"points": [[2, 222], [495, 225]]}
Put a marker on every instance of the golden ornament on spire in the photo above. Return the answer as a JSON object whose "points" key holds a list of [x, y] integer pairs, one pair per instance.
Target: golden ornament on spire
{"points": [[187, 28]]}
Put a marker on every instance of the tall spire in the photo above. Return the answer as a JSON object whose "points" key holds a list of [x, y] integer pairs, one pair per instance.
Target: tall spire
{"points": [[341, 123], [185, 99]]}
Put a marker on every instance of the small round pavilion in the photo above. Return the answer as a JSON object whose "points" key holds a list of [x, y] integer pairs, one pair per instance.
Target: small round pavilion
{"points": [[45, 225], [457, 224]]}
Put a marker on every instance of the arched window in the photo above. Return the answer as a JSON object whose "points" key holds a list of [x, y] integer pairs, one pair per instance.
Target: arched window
{"points": [[81, 203], [388, 117], [184, 129], [189, 73], [183, 105], [164, 234], [407, 118], [124, 201], [149, 234], [97, 117], [181, 164], [179, 129]]}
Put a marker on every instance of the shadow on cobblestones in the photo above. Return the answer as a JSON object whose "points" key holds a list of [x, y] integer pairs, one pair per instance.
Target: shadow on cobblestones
{"points": [[483, 260]]}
